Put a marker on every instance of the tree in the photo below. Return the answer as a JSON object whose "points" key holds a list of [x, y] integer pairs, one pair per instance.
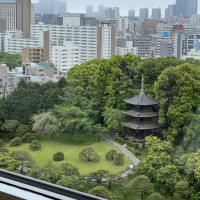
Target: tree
{"points": [[69, 181], [168, 177], [119, 159], [24, 159], [69, 170], [88, 154], [159, 154], [45, 123], [52, 171], [110, 155], [141, 185], [182, 190], [21, 130], [101, 191], [59, 156], [113, 119], [2, 143], [98, 175], [10, 127], [177, 89], [72, 120], [35, 172], [155, 196], [8, 163]]}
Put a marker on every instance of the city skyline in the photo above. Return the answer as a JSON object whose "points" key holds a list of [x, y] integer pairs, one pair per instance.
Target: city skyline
{"points": [[124, 5]]}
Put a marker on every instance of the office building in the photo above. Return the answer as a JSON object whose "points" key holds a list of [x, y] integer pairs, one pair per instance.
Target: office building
{"points": [[156, 13], [128, 48], [101, 10], [116, 12], [89, 11], [131, 13], [144, 46], [149, 26], [186, 7], [66, 56], [109, 13], [51, 7], [8, 12], [122, 24], [144, 14], [23, 10]]}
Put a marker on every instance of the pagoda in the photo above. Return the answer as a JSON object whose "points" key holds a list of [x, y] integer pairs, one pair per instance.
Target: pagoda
{"points": [[142, 119]]}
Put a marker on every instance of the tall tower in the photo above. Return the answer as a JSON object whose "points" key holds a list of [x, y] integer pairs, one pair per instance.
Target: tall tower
{"points": [[23, 8]]}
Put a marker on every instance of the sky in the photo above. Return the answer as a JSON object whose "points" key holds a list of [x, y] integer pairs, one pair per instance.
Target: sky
{"points": [[125, 5]]}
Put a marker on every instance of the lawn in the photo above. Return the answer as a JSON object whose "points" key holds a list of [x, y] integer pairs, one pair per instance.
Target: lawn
{"points": [[71, 152]]}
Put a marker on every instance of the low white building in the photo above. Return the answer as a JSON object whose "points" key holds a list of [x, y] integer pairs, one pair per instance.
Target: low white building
{"points": [[14, 41], [127, 49], [66, 56], [192, 54]]}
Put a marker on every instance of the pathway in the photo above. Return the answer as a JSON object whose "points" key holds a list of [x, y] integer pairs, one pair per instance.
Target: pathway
{"points": [[125, 151]]}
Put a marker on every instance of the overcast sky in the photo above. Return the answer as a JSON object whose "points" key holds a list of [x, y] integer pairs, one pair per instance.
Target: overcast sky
{"points": [[125, 5]]}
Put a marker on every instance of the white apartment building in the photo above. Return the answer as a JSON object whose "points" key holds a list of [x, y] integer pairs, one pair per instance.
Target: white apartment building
{"points": [[13, 41], [93, 42], [192, 54], [66, 56], [128, 49], [8, 12], [122, 24]]}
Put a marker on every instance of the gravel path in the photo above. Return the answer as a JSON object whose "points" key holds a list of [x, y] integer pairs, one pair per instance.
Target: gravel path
{"points": [[125, 151]]}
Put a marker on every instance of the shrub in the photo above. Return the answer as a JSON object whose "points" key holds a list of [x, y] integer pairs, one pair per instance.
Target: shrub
{"points": [[59, 156], [69, 170], [35, 145], [155, 196], [132, 144], [119, 159], [4, 150], [21, 130], [2, 143], [29, 137], [119, 140], [137, 153], [88, 154], [180, 169], [15, 142], [110, 155]]}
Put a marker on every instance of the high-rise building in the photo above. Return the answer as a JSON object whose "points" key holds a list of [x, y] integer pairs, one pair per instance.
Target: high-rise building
{"points": [[156, 13], [171, 10], [144, 14], [101, 10], [109, 13], [116, 12], [192, 7], [23, 8], [186, 7], [51, 7], [89, 11], [131, 13], [8, 12]]}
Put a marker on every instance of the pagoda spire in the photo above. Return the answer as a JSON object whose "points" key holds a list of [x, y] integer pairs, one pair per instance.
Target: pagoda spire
{"points": [[142, 88]]}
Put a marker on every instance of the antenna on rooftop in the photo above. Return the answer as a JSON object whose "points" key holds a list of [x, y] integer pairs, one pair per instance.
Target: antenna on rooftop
{"points": [[142, 88]]}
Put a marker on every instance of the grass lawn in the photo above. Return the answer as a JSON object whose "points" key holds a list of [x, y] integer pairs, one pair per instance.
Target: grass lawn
{"points": [[71, 152]]}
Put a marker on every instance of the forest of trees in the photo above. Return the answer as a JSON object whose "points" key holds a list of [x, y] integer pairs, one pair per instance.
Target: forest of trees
{"points": [[90, 101]]}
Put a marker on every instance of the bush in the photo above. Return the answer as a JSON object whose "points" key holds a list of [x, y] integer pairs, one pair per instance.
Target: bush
{"points": [[15, 142], [119, 140], [59, 156], [35, 145], [2, 143], [29, 137], [137, 153], [180, 169], [4, 150], [119, 159], [155, 196], [22, 130], [110, 155], [132, 144]]}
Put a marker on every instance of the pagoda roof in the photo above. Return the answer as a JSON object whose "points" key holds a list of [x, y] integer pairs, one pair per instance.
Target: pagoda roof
{"points": [[142, 114], [141, 100], [141, 127]]}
